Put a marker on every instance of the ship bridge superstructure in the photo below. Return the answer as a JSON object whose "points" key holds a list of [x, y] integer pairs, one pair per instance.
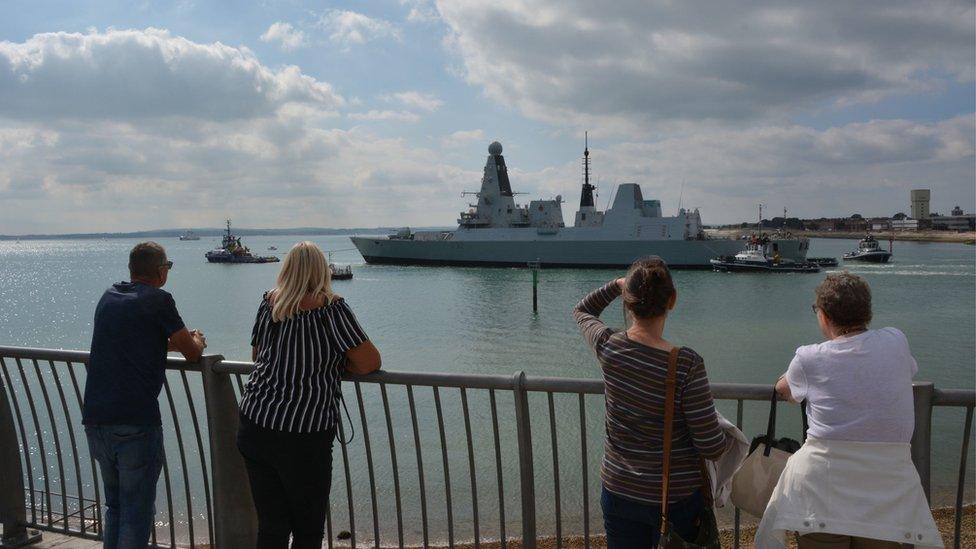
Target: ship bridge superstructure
{"points": [[496, 206]]}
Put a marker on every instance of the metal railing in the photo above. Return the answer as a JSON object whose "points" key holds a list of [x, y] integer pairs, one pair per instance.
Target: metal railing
{"points": [[48, 481]]}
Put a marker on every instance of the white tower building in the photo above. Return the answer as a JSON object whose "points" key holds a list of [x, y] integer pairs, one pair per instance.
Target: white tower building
{"points": [[920, 203]]}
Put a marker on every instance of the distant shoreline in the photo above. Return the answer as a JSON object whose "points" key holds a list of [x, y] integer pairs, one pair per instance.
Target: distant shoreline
{"points": [[208, 232], [914, 236], [910, 236]]}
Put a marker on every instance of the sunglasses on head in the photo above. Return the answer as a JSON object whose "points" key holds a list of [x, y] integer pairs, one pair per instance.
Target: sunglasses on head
{"points": [[168, 265]]}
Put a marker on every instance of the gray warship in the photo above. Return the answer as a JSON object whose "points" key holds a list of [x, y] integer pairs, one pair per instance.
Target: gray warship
{"points": [[498, 232]]}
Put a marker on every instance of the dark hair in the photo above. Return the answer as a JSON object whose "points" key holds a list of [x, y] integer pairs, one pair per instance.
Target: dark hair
{"points": [[845, 299], [648, 288], [145, 259]]}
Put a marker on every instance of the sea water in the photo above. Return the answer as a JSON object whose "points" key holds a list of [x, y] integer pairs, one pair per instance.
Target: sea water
{"points": [[480, 320]]}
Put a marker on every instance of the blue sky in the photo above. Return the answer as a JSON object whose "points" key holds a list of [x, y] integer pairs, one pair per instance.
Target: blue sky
{"points": [[277, 114]]}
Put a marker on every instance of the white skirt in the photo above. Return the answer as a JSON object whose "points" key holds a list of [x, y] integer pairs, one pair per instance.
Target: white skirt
{"points": [[866, 489]]}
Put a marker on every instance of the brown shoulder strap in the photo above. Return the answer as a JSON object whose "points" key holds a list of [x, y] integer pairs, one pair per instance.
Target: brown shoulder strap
{"points": [[669, 387]]}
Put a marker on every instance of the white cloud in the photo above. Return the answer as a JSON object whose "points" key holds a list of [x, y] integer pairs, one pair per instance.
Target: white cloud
{"points": [[868, 167], [374, 115], [134, 74], [139, 129], [421, 11], [243, 141], [463, 136], [631, 65], [423, 101], [287, 37], [349, 27]]}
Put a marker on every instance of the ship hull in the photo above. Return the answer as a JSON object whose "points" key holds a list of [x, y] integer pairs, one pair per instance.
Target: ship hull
{"points": [[253, 259], [687, 254], [881, 257], [732, 266]]}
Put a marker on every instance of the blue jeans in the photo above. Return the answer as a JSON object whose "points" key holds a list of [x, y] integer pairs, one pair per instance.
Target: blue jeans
{"points": [[130, 458], [630, 524]]}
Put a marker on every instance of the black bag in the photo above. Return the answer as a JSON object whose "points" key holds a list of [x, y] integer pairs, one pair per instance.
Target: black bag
{"points": [[769, 439], [707, 527]]}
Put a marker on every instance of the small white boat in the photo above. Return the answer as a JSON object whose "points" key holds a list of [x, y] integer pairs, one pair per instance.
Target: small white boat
{"points": [[189, 235]]}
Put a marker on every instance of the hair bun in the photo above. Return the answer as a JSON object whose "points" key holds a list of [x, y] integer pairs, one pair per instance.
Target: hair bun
{"points": [[649, 288]]}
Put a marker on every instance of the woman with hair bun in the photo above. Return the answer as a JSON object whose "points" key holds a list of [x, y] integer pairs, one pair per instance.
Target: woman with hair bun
{"points": [[853, 484], [635, 365]]}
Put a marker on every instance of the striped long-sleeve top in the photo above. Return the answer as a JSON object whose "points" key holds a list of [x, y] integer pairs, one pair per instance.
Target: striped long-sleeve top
{"points": [[295, 384], [634, 375]]}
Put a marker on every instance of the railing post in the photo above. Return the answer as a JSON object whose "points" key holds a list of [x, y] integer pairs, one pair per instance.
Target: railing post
{"points": [[235, 520], [526, 466], [13, 513], [922, 437]]}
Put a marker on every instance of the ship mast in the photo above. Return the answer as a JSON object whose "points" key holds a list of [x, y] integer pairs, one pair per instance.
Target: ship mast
{"points": [[586, 199]]}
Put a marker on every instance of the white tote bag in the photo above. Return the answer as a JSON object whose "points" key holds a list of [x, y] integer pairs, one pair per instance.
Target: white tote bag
{"points": [[754, 482]]}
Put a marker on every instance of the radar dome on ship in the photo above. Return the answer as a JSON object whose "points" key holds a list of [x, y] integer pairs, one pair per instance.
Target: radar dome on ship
{"points": [[495, 148]]}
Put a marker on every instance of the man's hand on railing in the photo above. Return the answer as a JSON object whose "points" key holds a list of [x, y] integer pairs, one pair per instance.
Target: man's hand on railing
{"points": [[189, 344]]}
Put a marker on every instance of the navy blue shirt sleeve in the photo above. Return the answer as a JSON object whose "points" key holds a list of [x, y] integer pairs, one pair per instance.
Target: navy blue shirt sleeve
{"points": [[169, 317]]}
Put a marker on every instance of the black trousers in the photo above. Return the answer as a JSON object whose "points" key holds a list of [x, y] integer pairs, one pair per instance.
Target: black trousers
{"points": [[291, 474]]}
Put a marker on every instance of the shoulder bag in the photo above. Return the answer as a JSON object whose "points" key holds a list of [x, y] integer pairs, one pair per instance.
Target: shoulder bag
{"points": [[708, 527]]}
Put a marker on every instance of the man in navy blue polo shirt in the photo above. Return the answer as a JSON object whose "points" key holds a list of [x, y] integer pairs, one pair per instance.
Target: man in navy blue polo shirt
{"points": [[136, 324]]}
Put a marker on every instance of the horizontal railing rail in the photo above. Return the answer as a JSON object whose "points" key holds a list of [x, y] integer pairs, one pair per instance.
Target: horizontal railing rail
{"points": [[432, 461]]}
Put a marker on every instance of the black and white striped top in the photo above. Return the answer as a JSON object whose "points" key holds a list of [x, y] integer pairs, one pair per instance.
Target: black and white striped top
{"points": [[295, 384]]}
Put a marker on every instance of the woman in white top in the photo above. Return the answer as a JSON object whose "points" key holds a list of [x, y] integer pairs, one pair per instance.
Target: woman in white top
{"points": [[853, 483]]}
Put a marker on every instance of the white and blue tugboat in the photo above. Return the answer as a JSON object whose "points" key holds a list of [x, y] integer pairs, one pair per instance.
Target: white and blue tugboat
{"points": [[232, 251], [868, 250], [756, 259], [498, 232]]}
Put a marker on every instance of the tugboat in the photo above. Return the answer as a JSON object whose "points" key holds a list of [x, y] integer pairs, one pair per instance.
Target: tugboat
{"points": [[868, 250], [754, 259], [232, 251], [189, 235], [341, 273]]}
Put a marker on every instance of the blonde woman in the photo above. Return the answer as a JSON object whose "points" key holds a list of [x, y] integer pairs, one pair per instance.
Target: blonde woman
{"points": [[304, 338]]}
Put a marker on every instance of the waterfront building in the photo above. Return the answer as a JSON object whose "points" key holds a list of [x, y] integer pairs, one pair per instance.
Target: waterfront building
{"points": [[920, 203], [904, 224], [954, 222]]}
